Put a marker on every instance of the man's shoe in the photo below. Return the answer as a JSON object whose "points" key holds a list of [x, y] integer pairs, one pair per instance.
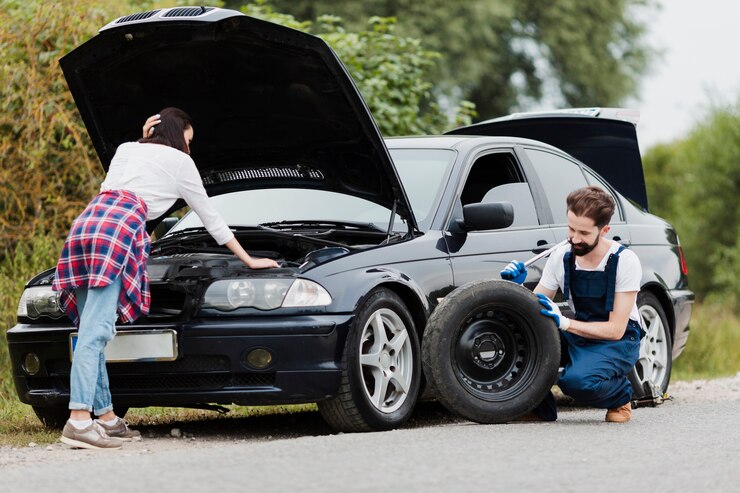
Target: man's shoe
{"points": [[120, 430], [621, 414], [92, 437]]}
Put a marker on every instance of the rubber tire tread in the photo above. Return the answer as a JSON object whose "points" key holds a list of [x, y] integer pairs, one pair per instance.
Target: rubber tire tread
{"points": [[648, 298], [342, 413], [441, 330]]}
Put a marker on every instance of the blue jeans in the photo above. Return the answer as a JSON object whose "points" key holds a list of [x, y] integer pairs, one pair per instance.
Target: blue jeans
{"points": [[88, 387]]}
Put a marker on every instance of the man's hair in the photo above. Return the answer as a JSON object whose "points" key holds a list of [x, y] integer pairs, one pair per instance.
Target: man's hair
{"points": [[170, 130], [592, 202]]}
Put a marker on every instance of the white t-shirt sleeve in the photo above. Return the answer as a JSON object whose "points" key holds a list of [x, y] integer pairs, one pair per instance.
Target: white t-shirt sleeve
{"points": [[629, 272], [190, 188], [552, 275]]}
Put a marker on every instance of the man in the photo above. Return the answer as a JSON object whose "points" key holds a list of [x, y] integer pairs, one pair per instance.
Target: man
{"points": [[600, 280]]}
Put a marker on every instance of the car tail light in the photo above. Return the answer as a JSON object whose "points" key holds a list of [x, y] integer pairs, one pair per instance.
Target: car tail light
{"points": [[684, 267]]}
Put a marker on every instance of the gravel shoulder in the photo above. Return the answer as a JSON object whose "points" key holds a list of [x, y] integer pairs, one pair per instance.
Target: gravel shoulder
{"points": [[211, 433]]}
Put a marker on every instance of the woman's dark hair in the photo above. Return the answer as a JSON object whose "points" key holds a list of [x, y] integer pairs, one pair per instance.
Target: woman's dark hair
{"points": [[170, 130]]}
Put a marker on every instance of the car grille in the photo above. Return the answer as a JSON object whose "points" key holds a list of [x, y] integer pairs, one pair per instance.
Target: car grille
{"points": [[296, 172], [137, 17], [197, 372], [187, 12], [165, 301]]}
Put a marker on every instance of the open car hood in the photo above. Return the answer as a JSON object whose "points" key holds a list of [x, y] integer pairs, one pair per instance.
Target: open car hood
{"points": [[272, 106], [603, 138]]}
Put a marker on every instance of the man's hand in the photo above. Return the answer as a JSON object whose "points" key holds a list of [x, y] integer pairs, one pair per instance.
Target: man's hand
{"points": [[553, 312], [148, 128], [514, 272]]}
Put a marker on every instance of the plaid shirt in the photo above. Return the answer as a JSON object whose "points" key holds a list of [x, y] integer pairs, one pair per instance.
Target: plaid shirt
{"points": [[107, 240]]}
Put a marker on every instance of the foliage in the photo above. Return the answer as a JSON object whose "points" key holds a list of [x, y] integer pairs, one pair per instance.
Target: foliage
{"points": [[695, 183], [27, 260], [711, 350], [510, 54], [391, 71], [49, 169]]}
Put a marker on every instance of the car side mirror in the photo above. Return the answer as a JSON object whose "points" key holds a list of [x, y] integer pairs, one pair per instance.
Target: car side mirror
{"points": [[483, 216], [164, 226]]}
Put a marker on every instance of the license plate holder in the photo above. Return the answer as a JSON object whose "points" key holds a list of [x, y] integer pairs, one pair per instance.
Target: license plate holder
{"points": [[137, 346]]}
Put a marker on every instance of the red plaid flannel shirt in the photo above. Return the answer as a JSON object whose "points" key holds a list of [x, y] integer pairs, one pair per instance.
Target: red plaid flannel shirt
{"points": [[108, 239]]}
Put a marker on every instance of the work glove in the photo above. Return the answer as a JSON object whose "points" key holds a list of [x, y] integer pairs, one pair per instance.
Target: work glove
{"points": [[514, 272], [553, 312]]}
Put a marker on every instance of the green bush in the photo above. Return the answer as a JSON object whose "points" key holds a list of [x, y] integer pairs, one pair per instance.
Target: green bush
{"points": [[28, 259]]}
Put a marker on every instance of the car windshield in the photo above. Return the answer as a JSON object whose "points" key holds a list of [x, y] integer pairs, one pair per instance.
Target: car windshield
{"points": [[422, 172]]}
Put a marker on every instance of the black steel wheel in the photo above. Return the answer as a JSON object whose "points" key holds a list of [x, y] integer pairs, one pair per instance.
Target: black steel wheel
{"points": [[490, 353]]}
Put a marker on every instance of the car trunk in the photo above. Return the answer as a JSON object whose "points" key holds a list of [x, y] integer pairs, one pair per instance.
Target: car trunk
{"points": [[607, 146]]}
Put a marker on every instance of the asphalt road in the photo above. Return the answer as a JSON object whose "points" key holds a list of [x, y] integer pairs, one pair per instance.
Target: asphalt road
{"points": [[688, 444]]}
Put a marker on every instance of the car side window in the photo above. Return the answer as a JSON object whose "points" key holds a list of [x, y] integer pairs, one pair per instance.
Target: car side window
{"points": [[559, 177], [496, 178]]}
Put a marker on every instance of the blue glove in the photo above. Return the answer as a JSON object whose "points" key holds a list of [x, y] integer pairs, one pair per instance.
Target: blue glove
{"points": [[514, 272], [553, 312]]}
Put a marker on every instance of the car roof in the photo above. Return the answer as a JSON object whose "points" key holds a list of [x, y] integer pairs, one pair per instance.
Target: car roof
{"points": [[458, 142]]}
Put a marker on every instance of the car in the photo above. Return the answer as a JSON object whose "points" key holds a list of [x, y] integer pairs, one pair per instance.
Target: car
{"points": [[371, 234]]}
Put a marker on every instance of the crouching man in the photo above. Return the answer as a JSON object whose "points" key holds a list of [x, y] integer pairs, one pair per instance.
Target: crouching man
{"points": [[600, 280]]}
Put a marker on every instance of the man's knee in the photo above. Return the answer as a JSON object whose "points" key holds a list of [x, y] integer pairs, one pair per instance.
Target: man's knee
{"points": [[580, 386]]}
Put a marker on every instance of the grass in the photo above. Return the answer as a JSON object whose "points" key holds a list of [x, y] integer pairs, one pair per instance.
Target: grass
{"points": [[19, 425], [712, 348]]}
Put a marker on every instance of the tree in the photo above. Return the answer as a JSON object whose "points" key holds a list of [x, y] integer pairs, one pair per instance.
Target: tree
{"points": [[510, 54], [49, 168], [695, 184]]}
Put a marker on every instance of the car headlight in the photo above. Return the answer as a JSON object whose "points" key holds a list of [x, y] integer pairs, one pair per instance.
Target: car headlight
{"points": [[264, 294], [40, 301]]}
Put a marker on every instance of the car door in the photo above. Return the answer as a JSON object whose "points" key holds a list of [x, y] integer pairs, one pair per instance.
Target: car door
{"points": [[496, 175], [558, 176]]}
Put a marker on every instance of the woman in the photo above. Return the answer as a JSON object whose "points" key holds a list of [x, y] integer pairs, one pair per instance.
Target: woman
{"points": [[102, 268]]}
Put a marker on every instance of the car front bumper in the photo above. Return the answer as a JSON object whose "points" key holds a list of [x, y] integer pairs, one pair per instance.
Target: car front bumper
{"points": [[211, 365]]}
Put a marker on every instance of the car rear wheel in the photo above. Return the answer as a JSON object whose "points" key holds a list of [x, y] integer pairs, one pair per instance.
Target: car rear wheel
{"points": [[652, 372], [382, 369], [490, 353]]}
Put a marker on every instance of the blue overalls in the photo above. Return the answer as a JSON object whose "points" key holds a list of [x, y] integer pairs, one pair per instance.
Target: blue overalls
{"points": [[595, 370]]}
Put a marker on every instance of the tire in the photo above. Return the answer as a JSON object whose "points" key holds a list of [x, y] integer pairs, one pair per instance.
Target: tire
{"points": [[381, 368], [652, 373], [490, 353], [55, 417]]}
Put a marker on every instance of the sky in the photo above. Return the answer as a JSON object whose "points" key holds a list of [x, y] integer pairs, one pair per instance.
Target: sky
{"points": [[700, 64]]}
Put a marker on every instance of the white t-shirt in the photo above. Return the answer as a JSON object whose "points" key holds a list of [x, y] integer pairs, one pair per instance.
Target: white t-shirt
{"points": [[160, 175], [629, 273]]}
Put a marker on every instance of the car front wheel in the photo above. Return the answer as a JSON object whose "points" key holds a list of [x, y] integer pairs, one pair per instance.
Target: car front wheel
{"points": [[382, 368]]}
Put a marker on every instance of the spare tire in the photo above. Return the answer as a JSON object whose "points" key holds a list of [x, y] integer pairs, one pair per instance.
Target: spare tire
{"points": [[490, 354]]}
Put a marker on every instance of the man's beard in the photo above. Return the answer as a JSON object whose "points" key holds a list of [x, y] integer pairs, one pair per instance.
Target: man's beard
{"points": [[582, 248]]}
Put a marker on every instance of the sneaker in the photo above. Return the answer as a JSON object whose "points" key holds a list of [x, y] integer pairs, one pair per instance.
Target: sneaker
{"points": [[120, 430], [92, 437], [621, 414]]}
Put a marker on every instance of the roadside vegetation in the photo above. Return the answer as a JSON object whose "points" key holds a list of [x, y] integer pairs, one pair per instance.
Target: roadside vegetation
{"points": [[421, 69]]}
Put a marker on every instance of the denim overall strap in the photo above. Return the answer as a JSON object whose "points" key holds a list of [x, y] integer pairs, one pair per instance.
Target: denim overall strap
{"points": [[611, 272], [567, 260]]}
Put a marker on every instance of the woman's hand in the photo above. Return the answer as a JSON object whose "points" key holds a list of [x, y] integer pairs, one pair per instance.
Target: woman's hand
{"points": [[261, 263], [251, 262], [148, 128]]}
